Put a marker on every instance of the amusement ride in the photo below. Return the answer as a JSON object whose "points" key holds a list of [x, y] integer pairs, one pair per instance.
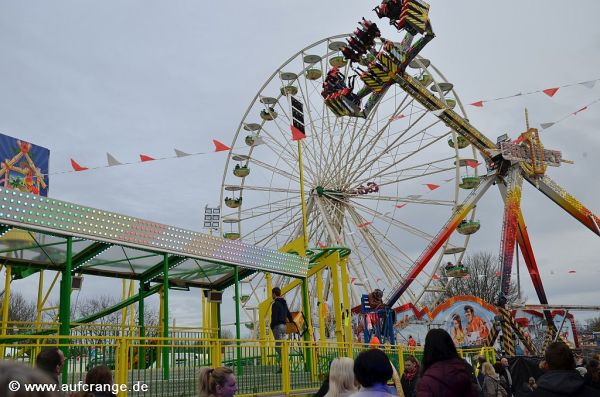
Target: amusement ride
{"points": [[379, 121]]}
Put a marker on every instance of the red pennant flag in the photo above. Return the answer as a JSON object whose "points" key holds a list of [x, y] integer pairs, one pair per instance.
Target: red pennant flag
{"points": [[397, 117], [400, 205], [431, 186], [435, 277], [143, 157], [321, 245], [297, 135], [472, 163], [478, 104], [352, 280], [364, 224], [219, 146], [580, 110], [497, 274], [550, 91], [572, 271], [378, 280], [77, 167]]}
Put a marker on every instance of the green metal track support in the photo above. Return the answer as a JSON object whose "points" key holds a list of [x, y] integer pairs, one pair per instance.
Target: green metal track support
{"points": [[238, 336], [159, 267], [142, 328], [64, 313], [165, 319]]}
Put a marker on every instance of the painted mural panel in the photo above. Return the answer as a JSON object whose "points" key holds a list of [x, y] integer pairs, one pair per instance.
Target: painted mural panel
{"points": [[24, 166]]}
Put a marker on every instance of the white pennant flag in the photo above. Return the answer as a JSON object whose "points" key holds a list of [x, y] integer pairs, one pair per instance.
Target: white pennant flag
{"points": [[111, 160], [546, 125], [179, 153], [589, 84]]}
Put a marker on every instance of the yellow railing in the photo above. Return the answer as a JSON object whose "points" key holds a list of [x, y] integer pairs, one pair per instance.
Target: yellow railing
{"points": [[169, 366]]}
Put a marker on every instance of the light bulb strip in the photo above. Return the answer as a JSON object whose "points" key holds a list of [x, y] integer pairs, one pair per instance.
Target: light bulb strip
{"points": [[61, 217]]}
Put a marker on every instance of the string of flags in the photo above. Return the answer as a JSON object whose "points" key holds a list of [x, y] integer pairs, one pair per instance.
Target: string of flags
{"points": [[547, 125], [547, 91], [219, 146]]}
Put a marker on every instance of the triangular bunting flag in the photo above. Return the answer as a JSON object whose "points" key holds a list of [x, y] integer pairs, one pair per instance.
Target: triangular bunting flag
{"points": [[352, 280], [438, 112], [111, 160], [363, 225], [143, 158], [572, 271], [397, 117], [450, 278], [179, 153], [550, 91], [497, 274], [472, 163], [467, 276], [478, 104], [580, 110], [297, 135], [77, 167], [321, 245], [546, 125], [400, 205], [589, 84], [431, 186], [219, 146], [435, 277]]}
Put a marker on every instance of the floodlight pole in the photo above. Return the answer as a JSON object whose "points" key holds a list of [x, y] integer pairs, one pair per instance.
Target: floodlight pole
{"points": [[64, 313]]}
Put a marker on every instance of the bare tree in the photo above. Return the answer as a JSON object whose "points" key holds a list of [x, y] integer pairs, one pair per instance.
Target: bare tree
{"points": [[20, 311], [483, 281]]}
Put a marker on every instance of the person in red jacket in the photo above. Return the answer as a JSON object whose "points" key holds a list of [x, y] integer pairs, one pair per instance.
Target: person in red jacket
{"points": [[444, 373]]}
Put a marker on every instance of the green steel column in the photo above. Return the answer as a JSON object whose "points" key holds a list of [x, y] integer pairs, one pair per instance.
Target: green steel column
{"points": [[142, 328], [64, 311], [165, 319], [308, 333], [238, 336]]}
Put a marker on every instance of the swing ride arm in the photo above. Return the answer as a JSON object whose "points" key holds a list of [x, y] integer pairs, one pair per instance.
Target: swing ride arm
{"points": [[458, 215], [567, 202]]}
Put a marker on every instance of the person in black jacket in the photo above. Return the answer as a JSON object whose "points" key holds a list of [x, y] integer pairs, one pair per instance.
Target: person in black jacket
{"points": [[410, 376], [561, 378], [279, 314]]}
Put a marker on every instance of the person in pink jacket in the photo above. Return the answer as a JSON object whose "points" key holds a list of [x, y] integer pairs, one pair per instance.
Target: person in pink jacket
{"points": [[444, 373]]}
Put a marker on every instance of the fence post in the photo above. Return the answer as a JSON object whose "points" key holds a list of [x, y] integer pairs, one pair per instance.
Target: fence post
{"points": [[285, 368]]}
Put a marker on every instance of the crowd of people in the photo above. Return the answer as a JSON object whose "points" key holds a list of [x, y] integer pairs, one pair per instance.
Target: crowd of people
{"points": [[441, 372]]}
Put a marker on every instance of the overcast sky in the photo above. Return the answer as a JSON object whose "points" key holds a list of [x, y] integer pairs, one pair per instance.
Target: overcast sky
{"points": [[85, 78]]}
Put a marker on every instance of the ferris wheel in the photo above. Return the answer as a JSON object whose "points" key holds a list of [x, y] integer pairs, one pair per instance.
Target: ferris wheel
{"points": [[380, 184]]}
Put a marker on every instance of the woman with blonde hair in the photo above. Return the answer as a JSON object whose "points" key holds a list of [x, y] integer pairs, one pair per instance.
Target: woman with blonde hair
{"points": [[491, 382], [341, 377], [217, 382]]}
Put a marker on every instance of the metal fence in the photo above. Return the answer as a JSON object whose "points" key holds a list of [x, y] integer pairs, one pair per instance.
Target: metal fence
{"points": [[169, 366]]}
